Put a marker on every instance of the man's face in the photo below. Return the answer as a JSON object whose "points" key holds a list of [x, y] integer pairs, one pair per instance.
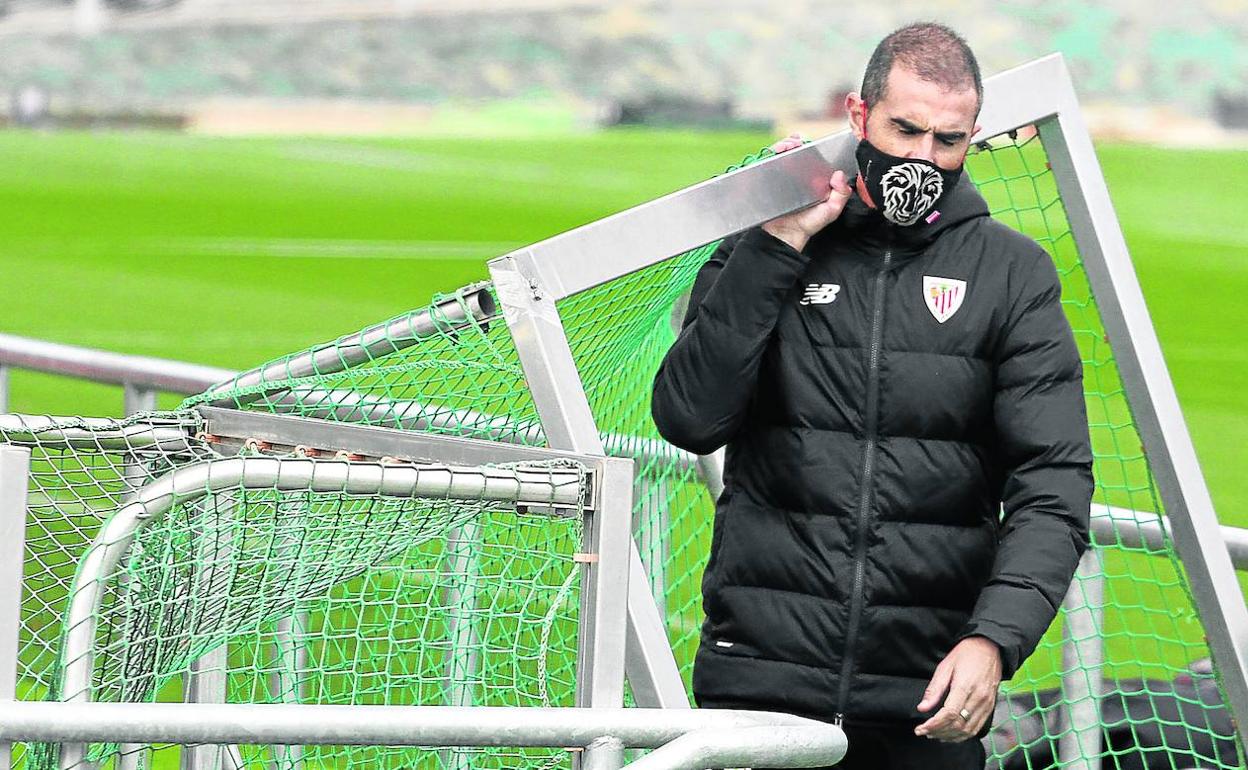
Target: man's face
{"points": [[918, 119]]}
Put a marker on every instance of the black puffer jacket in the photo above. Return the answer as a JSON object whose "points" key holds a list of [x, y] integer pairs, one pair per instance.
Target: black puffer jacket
{"points": [[870, 450]]}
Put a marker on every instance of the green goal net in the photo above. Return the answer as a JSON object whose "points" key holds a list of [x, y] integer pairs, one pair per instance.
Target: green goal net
{"points": [[1161, 704]]}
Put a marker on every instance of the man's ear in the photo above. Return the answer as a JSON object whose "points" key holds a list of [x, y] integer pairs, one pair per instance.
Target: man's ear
{"points": [[857, 110]]}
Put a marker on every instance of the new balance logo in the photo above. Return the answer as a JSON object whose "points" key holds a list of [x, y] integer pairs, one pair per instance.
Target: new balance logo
{"points": [[820, 293]]}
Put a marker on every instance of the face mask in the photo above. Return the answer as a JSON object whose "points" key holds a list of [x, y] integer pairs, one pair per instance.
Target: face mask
{"points": [[905, 190]]}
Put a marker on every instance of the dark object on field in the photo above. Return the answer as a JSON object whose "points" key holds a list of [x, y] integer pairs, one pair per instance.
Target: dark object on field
{"points": [[1149, 724], [141, 5], [146, 121], [676, 111], [1230, 110], [133, 5]]}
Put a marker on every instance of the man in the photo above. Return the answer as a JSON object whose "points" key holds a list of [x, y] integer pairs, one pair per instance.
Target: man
{"points": [[889, 369]]}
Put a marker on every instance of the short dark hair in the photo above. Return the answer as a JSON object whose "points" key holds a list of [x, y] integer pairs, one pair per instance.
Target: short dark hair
{"points": [[932, 51]]}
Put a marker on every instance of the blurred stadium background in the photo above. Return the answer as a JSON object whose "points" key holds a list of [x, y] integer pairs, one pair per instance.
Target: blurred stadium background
{"points": [[1161, 71], [222, 181]]}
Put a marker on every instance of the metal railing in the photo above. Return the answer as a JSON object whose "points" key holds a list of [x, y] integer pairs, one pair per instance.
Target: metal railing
{"points": [[682, 740], [140, 377]]}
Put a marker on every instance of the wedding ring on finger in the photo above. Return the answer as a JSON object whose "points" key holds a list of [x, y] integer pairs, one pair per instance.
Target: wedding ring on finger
{"points": [[965, 714]]}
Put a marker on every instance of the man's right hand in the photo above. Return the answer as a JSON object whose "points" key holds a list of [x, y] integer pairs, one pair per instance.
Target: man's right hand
{"points": [[797, 228]]}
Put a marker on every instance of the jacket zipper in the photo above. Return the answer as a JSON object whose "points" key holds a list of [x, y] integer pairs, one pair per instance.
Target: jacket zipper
{"points": [[864, 502]]}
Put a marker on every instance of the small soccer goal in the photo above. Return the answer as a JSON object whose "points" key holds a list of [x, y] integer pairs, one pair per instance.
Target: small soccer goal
{"points": [[167, 563]]}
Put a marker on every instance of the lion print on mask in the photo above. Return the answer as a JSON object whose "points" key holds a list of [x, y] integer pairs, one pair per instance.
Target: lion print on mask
{"points": [[910, 190]]}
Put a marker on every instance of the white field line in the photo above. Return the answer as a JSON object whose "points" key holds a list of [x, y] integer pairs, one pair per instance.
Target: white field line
{"points": [[1203, 245], [509, 171]]}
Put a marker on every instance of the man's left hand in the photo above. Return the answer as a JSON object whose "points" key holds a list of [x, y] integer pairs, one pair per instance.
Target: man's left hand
{"points": [[970, 675]]}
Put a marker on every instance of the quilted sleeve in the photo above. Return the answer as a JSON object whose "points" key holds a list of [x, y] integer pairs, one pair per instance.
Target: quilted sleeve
{"points": [[705, 382], [1042, 433]]}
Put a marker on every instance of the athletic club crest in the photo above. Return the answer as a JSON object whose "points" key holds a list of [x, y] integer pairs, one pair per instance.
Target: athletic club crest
{"points": [[943, 296]]}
